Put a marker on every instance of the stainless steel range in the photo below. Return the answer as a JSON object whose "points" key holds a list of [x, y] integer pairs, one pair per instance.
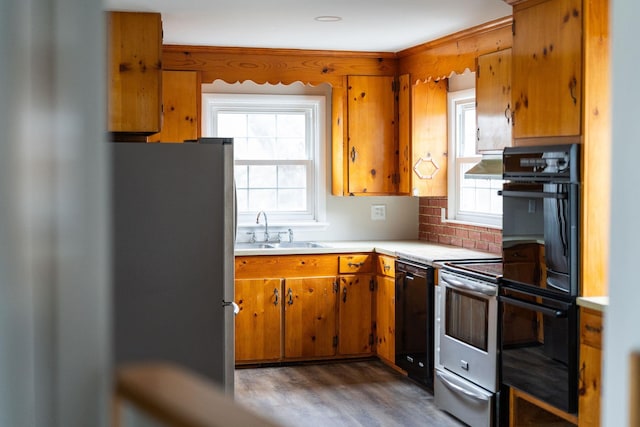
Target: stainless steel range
{"points": [[466, 340]]}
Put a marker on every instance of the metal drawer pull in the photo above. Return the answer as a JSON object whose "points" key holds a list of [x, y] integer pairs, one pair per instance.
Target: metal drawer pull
{"points": [[387, 267], [355, 264], [275, 293], [455, 387]]}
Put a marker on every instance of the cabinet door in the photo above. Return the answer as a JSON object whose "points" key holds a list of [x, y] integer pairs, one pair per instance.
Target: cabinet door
{"points": [[355, 324], [493, 100], [135, 72], [310, 317], [258, 324], [180, 99], [371, 154], [429, 139], [547, 69], [386, 318], [590, 379]]}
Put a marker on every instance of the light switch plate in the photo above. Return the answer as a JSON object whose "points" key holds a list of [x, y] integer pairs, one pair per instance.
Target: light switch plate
{"points": [[378, 212]]}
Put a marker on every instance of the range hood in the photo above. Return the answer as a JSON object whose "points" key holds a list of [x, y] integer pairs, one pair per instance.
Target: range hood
{"points": [[490, 167]]}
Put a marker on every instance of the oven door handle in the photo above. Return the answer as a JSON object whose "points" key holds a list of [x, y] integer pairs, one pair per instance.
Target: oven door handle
{"points": [[447, 381], [549, 311], [532, 194], [460, 284]]}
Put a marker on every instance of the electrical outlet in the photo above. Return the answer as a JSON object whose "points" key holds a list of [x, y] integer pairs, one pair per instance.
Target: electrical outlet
{"points": [[378, 212]]}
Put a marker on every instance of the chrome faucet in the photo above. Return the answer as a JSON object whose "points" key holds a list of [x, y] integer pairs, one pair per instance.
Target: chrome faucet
{"points": [[266, 225]]}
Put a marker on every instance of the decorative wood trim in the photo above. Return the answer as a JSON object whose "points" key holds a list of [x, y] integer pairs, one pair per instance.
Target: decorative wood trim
{"points": [[275, 66], [455, 53], [519, 416]]}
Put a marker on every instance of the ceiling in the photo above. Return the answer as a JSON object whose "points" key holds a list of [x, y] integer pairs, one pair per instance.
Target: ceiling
{"points": [[365, 25]]}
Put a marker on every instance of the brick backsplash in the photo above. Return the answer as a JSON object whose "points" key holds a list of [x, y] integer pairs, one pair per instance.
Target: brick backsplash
{"points": [[432, 229]]}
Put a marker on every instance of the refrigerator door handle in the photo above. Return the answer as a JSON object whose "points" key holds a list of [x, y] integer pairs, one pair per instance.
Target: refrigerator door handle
{"points": [[236, 308]]}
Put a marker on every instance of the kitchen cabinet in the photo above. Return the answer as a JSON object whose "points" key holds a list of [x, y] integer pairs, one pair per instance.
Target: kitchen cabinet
{"points": [[324, 304], [310, 317], [371, 157], [547, 69], [493, 100], [260, 304], [385, 309], [427, 172], [134, 74], [180, 104], [355, 317], [590, 373]]}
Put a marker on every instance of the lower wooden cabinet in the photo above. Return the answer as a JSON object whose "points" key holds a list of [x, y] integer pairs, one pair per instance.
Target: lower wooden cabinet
{"points": [[355, 317], [309, 317], [298, 316], [590, 373], [260, 303], [385, 318]]}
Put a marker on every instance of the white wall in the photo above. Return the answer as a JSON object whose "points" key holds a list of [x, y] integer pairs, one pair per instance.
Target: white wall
{"points": [[54, 273], [349, 218], [622, 333]]}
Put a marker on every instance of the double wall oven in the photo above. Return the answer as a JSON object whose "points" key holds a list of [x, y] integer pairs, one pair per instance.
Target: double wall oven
{"points": [[538, 313]]}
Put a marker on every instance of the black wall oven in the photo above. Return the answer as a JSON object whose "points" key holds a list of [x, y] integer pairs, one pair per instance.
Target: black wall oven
{"points": [[537, 306]]}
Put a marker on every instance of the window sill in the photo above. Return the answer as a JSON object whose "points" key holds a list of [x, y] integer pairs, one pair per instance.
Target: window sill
{"points": [[445, 220], [284, 226]]}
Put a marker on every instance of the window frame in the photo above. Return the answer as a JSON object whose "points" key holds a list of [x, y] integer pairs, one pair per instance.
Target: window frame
{"points": [[315, 110], [455, 164]]}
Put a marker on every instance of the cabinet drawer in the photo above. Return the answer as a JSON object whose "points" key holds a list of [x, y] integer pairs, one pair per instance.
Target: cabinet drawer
{"points": [[590, 328], [386, 266], [360, 263]]}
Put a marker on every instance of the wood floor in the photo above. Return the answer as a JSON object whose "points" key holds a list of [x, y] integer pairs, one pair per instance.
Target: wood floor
{"points": [[363, 393]]}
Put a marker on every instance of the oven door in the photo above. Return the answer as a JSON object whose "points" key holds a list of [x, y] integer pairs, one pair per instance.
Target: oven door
{"points": [[540, 236], [468, 328], [539, 347]]}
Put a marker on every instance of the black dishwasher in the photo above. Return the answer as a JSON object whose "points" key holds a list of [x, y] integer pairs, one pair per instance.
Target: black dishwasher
{"points": [[415, 320]]}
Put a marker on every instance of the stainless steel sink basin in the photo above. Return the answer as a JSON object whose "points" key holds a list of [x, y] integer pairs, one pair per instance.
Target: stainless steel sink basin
{"points": [[275, 245]]}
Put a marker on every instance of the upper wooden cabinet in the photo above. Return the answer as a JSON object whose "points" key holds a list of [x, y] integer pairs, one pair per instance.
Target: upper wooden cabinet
{"points": [[134, 73], [427, 171], [493, 100], [180, 100], [547, 68], [371, 157]]}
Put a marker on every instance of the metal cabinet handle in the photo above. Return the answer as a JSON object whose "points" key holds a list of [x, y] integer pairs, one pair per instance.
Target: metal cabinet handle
{"points": [[290, 297], [387, 267], [449, 383], [344, 294], [572, 90], [353, 154], [275, 293]]}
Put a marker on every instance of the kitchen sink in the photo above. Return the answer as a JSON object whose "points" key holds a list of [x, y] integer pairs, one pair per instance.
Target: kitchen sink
{"points": [[277, 245]]}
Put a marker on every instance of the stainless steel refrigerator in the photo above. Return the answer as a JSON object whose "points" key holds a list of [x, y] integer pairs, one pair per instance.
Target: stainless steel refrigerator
{"points": [[173, 229]]}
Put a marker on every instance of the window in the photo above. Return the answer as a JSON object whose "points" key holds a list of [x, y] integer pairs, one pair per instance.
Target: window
{"points": [[470, 200], [277, 149]]}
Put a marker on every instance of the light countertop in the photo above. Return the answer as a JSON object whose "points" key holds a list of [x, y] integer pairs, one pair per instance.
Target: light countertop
{"points": [[418, 250], [594, 303]]}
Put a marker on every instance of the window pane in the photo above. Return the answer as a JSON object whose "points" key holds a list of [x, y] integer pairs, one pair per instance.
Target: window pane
{"points": [[291, 149], [240, 148], [292, 176], [241, 176], [261, 149], [262, 200], [242, 197], [292, 200], [261, 125], [291, 125], [232, 124], [262, 176]]}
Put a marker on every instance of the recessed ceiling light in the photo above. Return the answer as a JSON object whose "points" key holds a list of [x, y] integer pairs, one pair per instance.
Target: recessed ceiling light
{"points": [[328, 18]]}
